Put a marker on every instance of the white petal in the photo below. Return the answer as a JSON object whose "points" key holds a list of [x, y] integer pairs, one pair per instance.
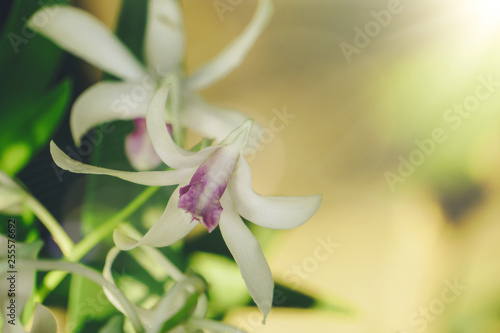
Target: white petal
{"points": [[108, 275], [86, 37], [165, 40], [233, 55], [170, 153], [173, 225], [44, 321], [268, 211], [213, 122], [108, 101], [145, 316], [150, 178], [174, 300], [248, 255]]}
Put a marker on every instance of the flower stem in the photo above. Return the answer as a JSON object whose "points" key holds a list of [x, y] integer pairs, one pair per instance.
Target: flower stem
{"points": [[60, 236], [69, 267], [52, 279]]}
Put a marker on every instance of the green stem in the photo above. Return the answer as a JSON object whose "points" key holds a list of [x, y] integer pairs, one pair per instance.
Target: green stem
{"points": [[52, 279], [92, 239], [60, 236]]}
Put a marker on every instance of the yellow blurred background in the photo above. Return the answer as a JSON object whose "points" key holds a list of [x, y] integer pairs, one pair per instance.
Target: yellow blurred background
{"points": [[407, 237]]}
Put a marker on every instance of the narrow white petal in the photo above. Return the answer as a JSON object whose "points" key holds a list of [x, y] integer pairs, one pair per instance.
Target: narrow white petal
{"points": [[86, 37], [165, 39], [145, 316], [150, 178], [233, 55], [108, 275], [109, 101], [173, 225], [268, 211], [248, 255], [174, 300], [44, 321], [213, 122], [169, 152]]}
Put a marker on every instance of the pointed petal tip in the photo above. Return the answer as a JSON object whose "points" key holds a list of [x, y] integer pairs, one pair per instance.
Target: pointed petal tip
{"points": [[83, 35], [54, 151], [247, 125], [265, 312], [234, 54], [61, 159], [32, 21], [124, 242], [77, 141], [245, 130], [239, 136]]}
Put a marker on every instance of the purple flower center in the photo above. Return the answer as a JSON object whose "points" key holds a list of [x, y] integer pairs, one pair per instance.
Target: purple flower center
{"points": [[201, 197]]}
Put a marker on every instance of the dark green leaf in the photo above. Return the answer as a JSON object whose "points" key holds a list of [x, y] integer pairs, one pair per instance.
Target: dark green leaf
{"points": [[27, 125], [28, 62]]}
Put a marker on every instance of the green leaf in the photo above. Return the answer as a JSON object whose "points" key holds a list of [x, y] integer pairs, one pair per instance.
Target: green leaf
{"points": [[28, 62], [28, 124], [87, 302], [28, 66], [113, 325], [182, 315], [227, 289]]}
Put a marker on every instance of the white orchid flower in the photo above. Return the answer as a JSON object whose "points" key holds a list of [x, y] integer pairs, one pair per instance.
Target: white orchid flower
{"points": [[215, 189], [83, 35]]}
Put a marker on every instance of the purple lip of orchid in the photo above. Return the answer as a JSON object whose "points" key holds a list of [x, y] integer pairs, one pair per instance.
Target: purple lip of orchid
{"points": [[201, 197]]}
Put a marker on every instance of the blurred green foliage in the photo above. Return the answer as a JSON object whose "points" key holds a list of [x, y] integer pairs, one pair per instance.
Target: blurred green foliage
{"points": [[31, 104]]}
